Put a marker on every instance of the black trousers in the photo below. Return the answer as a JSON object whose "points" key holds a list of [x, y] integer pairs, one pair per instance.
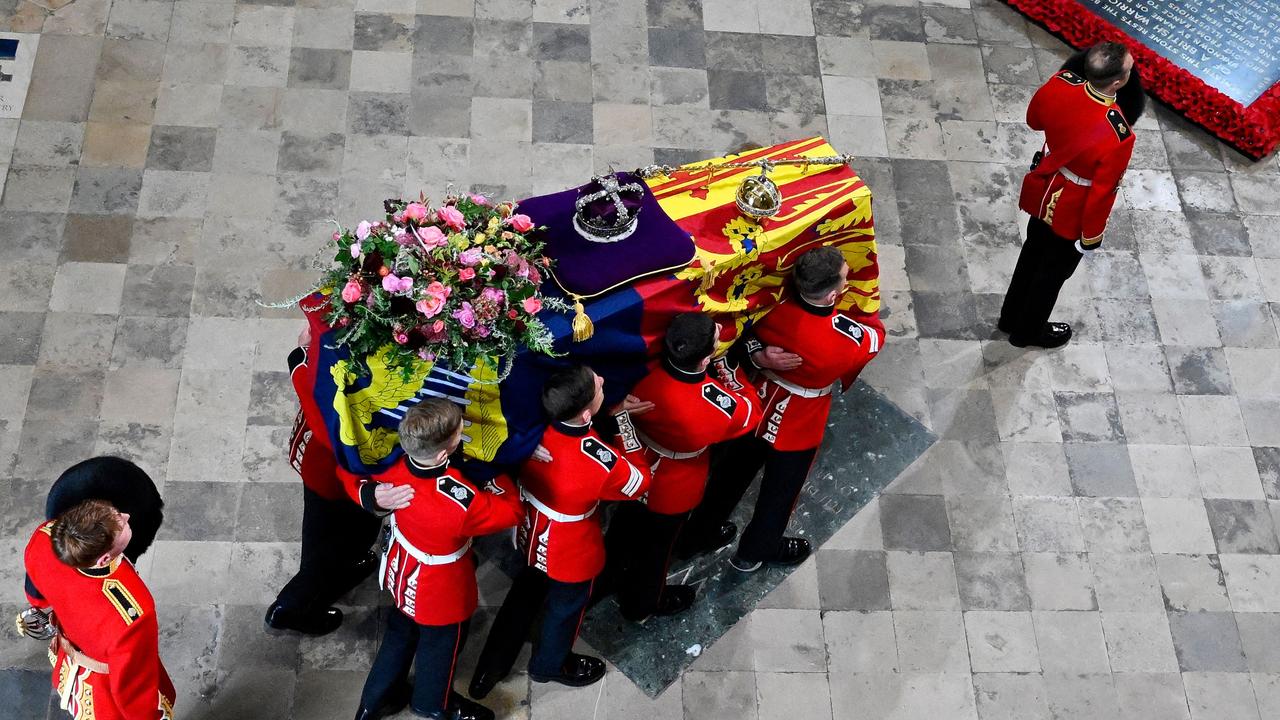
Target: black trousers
{"points": [[336, 534], [562, 605], [433, 651], [1045, 263], [734, 467], [641, 541]]}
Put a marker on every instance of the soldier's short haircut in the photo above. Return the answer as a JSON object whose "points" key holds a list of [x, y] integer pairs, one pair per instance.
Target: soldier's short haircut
{"points": [[690, 338], [428, 428], [1104, 63], [568, 391], [817, 272], [84, 533]]}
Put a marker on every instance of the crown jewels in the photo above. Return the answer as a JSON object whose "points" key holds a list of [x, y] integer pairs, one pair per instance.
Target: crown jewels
{"points": [[608, 211], [758, 196]]}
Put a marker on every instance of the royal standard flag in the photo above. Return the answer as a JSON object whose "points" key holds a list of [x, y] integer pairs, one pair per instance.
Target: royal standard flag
{"points": [[737, 275]]}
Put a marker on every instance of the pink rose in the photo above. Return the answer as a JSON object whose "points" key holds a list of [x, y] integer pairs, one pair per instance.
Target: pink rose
{"points": [[352, 291], [494, 295], [480, 331], [393, 284], [470, 257], [433, 299], [520, 223], [431, 237], [400, 337], [479, 199], [337, 236], [465, 315], [434, 332], [452, 216], [362, 230], [466, 273], [532, 305], [416, 212], [426, 355], [355, 249]]}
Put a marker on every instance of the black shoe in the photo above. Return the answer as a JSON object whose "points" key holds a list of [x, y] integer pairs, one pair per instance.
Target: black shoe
{"points": [[723, 535], [675, 599], [577, 671], [282, 619], [791, 551], [1004, 327], [482, 683], [1054, 334], [365, 565], [395, 701], [460, 708]]}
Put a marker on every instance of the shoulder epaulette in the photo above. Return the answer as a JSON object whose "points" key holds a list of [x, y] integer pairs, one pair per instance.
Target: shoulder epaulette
{"points": [[598, 451], [719, 399], [297, 358], [47, 528], [1071, 77], [122, 600], [455, 491], [1119, 124]]}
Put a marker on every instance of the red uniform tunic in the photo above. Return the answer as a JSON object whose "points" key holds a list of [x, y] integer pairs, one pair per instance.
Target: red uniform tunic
{"points": [[833, 349], [691, 412], [1088, 128], [561, 533], [309, 451], [109, 616], [428, 566]]}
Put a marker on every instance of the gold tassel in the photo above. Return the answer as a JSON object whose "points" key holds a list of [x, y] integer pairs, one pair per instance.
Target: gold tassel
{"points": [[708, 275], [583, 328]]}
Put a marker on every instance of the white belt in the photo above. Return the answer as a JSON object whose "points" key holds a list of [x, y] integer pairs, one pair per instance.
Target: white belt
{"points": [[796, 390], [665, 452], [557, 516], [1083, 182], [424, 558]]}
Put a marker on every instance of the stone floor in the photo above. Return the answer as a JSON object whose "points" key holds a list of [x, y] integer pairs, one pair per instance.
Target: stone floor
{"points": [[1093, 536]]}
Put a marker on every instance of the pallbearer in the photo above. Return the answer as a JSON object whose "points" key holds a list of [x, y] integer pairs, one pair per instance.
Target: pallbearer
{"points": [[429, 569], [336, 532], [560, 537], [98, 615], [806, 351], [692, 411]]}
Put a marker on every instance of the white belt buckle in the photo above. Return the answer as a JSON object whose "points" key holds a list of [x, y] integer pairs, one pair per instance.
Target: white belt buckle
{"points": [[1083, 182], [553, 514]]}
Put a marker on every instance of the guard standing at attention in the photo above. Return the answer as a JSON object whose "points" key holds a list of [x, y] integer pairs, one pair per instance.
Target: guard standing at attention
{"points": [[336, 532], [430, 571], [806, 351], [692, 411], [560, 538], [1070, 188], [89, 602]]}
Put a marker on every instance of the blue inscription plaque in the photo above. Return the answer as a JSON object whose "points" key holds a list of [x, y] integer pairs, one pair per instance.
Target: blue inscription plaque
{"points": [[1232, 45]]}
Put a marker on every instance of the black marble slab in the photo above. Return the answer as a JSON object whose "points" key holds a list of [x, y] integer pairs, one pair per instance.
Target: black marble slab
{"points": [[1233, 45], [869, 442]]}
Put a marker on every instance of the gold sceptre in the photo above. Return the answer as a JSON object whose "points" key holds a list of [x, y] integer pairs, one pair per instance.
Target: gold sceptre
{"points": [[648, 172]]}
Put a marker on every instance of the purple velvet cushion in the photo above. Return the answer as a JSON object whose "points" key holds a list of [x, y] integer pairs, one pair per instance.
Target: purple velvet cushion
{"points": [[587, 268]]}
